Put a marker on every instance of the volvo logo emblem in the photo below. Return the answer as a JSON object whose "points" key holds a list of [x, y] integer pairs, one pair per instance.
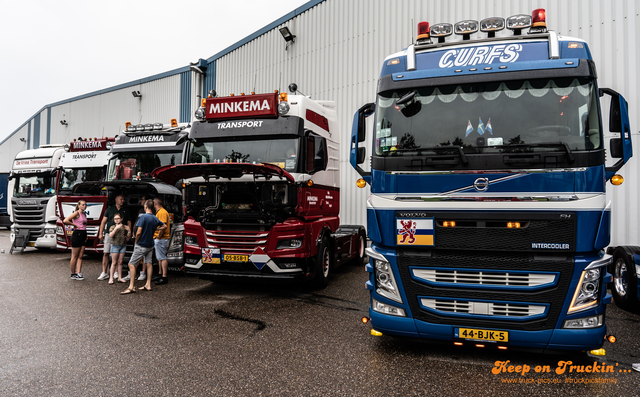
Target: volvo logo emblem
{"points": [[481, 184]]}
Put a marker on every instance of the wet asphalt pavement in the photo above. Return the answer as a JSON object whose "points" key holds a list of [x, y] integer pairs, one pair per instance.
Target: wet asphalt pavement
{"points": [[191, 337]]}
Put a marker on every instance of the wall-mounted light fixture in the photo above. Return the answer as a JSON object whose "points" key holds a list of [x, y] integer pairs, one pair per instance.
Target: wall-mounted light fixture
{"points": [[288, 37], [64, 122], [136, 94]]}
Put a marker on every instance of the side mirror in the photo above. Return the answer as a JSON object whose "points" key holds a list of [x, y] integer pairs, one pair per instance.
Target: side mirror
{"points": [[357, 155], [618, 122], [362, 155]]}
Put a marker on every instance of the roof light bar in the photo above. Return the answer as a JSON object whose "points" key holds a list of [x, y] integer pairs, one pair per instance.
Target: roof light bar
{"points": [[518, 22], [423, 33], [492, 25], [158, 126], [465, 28], [441, 30]]}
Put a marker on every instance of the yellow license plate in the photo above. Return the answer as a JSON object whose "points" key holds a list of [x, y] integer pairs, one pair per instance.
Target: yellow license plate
{"points": [[31, 244], [236, 258], [482, 334]]}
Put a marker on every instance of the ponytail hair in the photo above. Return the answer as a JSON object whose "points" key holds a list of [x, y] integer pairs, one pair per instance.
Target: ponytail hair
{"points": [[78, 205]]}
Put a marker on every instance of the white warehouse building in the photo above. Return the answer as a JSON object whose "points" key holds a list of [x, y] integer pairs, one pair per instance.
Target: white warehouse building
{"points": [[337, 55]]}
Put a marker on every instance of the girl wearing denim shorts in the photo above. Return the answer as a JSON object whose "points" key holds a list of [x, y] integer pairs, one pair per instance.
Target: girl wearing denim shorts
{"points": [[118, 234]]}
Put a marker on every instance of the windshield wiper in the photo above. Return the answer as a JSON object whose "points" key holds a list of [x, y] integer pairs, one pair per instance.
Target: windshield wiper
{"points": [[563, 145], [436, 148]]}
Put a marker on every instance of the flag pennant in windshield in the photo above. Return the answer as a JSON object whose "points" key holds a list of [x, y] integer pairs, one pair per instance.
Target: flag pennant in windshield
{"points": [[469, 129], [488, 127], [480, 126]]}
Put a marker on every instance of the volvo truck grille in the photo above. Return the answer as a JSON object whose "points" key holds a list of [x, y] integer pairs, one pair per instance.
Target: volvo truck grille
{"points": [[446, 287]]}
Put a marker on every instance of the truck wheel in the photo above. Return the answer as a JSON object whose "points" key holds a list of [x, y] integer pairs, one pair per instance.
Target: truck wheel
{"points": [[323, 265], [362, 245], [624, 285]]}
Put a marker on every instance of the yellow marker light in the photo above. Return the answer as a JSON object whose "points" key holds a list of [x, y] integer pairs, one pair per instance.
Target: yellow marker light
{"points": [[394, 61], [574, 45], [598, 352], [479, 345], [502, 347], [361, 183], [449, 224], [513, 225], [242, 94], [253, 92], [309, 183], [457, 343], [174, 122], [611, 338], [204, 102], [375, 333], [617, 180], [365, 320]]}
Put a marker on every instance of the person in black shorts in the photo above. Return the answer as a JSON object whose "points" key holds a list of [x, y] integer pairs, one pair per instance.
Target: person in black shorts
{"points": [[78, 220]]}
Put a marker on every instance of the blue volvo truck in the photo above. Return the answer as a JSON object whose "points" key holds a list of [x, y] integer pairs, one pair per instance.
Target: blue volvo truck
{"points": [[488, 216]]}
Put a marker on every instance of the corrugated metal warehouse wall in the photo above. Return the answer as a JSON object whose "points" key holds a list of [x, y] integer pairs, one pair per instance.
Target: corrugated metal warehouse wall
{"points": [[340, 45], [337, 55], [99, 114]]}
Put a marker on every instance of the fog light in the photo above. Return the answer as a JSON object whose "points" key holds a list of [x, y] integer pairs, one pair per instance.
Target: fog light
{"points": [[289, 265], [387, 309], [586, 322]]}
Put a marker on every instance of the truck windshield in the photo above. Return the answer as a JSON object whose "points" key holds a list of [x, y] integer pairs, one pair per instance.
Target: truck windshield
{"points": [[489, 117], [71, 177], [281, 152], [138, 165], [39, 185]]}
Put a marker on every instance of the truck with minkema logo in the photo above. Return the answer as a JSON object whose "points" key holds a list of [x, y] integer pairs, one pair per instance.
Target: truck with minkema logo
{"points": [[83, 160], [32, 197], [262, 190], [488, 215], [132, 158]]}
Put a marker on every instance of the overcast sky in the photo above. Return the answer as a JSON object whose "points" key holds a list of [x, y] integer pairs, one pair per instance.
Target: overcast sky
{"points": [[55, 50]]}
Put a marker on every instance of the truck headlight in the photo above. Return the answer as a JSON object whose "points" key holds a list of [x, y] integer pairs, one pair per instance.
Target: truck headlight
{"points": [[59, 230], [289, 244], [587, 293], [387, 309], [586, 322], [176, 241], [49, 230], [385, 282], [192, 241]]}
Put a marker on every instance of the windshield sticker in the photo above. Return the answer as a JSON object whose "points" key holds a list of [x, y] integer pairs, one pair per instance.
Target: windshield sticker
{"points": [[290, 164]]}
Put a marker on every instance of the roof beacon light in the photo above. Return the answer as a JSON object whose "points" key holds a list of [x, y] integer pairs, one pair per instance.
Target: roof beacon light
{"points": [[492, 25], [423, 33], [539, 24], [174, 122], [465, 28], [441, 30], [518, 22]]}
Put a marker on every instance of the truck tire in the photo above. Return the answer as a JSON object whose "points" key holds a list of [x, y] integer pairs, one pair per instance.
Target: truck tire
{"points": [[624, 284], [322, 265], [360, 253]]}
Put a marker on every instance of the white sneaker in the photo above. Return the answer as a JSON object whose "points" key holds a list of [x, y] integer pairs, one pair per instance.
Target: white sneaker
{"points": [[115, 275], [103, 276], [636, 367], [143, 276], [127, 277]]}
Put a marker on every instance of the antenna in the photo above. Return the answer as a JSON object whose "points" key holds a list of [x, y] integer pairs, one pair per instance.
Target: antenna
{"points": [[255, 80]]}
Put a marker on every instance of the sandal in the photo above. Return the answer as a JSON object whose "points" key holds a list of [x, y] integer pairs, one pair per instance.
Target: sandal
{"points": [[128, 291], [110, 282], [144, 287]]}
